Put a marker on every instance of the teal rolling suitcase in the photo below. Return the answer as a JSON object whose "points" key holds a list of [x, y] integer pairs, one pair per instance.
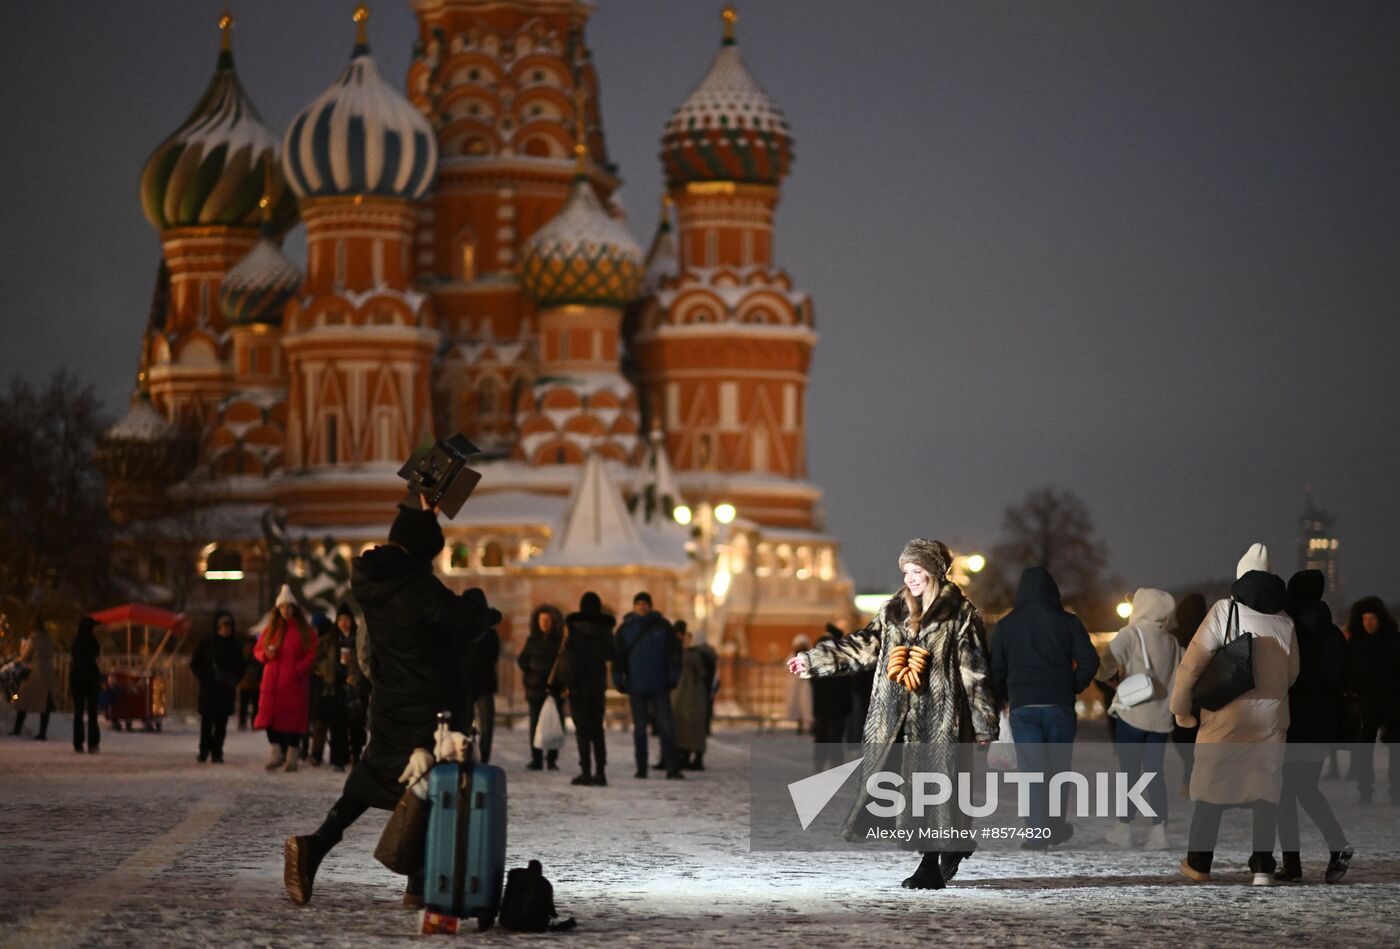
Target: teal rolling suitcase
{"points": [[465, 856]]}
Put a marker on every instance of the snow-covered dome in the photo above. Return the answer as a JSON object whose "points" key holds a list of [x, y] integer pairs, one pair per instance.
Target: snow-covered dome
{"points": [[211, 170], [728, 129], [144, 446], [582, 255], [361, 136], [259, 285]]}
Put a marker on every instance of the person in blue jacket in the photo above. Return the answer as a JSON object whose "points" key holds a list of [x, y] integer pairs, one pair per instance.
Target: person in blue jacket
{"points": [[1041, 659], [647, 666]]}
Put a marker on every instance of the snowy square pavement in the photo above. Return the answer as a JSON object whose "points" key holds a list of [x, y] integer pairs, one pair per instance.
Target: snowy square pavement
{"points": [[141, 846]]}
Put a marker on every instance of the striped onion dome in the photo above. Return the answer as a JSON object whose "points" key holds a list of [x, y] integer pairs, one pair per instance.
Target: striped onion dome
{"points": [[259, 285], [360, 137], [210, 171], [582, 255], [728, 129]]}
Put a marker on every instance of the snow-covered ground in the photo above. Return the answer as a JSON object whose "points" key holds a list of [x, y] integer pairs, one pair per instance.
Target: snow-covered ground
{"points": [[142, 846]]}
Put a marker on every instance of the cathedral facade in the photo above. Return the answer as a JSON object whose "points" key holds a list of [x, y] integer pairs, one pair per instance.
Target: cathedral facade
{"points": [[642, 412]]}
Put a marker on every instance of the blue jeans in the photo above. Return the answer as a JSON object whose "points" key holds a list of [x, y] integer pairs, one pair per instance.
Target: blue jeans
{"points": [[1047, 731], [1140, 752], [645, 706]]}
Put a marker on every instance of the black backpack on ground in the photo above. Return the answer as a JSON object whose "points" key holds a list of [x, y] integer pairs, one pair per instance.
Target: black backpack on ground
{"points": [[528, 905]]}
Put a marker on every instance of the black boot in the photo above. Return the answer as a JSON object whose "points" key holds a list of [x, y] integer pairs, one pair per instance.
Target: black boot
{"points": [[1337, 866], [584, 778], [949, 861], [551, 761], [927, 877], [600, 780], [697, 761], [536, 760], [1292, 870]]}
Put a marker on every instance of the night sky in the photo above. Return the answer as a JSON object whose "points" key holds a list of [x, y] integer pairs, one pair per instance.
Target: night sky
{"points": [[1145, 251]]}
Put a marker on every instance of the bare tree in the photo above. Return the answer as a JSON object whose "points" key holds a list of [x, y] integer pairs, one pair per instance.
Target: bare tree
{"points": [[54, 531], [1053, 529]]}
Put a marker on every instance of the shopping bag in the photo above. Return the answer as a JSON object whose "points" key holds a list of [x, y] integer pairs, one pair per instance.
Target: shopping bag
{"points": [[549, 731], [1001, 754]]}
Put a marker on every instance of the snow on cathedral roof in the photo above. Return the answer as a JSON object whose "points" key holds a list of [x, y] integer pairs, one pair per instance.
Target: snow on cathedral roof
{"points": [[597, 531]]}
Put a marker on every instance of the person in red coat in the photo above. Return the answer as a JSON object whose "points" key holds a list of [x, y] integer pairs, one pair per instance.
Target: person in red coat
{"points": [[287, 650]]}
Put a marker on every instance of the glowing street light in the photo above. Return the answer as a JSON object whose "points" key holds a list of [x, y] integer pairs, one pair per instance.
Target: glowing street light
{"points": [[682, 514], [724, 513], [976, 563], [1125, 609]]}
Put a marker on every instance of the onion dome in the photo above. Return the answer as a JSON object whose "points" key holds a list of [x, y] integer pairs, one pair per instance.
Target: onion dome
{"points": [[144, 446], [259, 285], [582, 255], [361, 136], [210, 171], [728, 129]]}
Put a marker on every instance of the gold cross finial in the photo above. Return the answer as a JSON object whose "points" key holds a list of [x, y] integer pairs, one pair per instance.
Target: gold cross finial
{"points": [[362, 24], [730, 16], [265, 202], [226, 28], [580, 134]]}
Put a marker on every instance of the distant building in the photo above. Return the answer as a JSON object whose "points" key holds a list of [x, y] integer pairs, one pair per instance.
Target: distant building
{"points": [[468, 269], [1318, 546]]}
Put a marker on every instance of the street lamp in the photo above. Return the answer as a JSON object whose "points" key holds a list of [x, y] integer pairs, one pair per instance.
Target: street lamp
{"points": [[705, 521], [976, 563], [1125, 609]]}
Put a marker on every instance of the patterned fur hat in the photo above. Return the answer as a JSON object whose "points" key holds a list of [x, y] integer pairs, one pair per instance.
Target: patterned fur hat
{"points": [[932, 555]]}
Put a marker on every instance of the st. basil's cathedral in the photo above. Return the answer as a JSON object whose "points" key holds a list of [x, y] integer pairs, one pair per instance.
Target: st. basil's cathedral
{"points": [[467, 269]]}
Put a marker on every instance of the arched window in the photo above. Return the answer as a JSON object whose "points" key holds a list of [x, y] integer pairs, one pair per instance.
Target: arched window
{"points": [[492, 555], [461, 557]]}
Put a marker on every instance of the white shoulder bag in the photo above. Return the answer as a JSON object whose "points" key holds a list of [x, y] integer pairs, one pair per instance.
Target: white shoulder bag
{"points": [[1138, 687]]}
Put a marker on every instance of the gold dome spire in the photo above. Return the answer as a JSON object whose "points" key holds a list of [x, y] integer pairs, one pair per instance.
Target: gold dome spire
{"points": [[730, 16], [226, 29], [362, 25]]}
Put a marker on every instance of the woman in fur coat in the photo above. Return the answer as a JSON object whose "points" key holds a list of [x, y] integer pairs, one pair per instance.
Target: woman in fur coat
{"points": [[931, 630]]}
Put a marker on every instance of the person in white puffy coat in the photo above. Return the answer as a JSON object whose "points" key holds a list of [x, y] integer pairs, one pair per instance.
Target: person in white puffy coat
{"points": [[1145, 646], [1240, 747]]}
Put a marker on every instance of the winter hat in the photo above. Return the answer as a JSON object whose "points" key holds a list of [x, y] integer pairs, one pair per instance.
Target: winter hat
{"points": [[932, 555], [642, 597], [1255, 558], [220, 615], [284, 597], [417, 532], [344, 610], [590, 604]]}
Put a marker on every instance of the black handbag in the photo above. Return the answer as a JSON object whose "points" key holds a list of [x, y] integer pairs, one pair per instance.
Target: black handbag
{"points": [[1230, 672]]}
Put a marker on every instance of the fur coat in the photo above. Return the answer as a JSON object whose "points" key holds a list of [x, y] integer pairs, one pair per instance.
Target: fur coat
{"points": [[955, 704]]}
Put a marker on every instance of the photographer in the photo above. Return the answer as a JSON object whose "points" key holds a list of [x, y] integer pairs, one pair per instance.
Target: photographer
{"points": [[419, 633]]}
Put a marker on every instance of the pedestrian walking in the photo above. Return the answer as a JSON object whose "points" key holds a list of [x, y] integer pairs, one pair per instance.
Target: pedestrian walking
{"points": [[1041, 659], [588, 651], [1375, 668], [689, 700], [287, 650], [1143, 722], [934, 693], [831, 706], [1240, 747], [420, 632], [217, 665], [1190, 614], [36, 691], [345, 702], [646, 667], [85, 684], [544, 676], [1314, 716]]}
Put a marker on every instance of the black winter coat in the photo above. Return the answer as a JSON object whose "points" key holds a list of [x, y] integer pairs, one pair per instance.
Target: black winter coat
{"points": [[647, 654], [1375, 671], [1315, 699], [831, 695], [419, 638], [482, 658], [538, 657], [589, 650], [1041, 653], [218, 666], [83, 674]]}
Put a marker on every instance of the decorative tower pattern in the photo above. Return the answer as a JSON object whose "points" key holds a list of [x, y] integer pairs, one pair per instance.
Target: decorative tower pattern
{"points": [[361, 338], [724, 344]]}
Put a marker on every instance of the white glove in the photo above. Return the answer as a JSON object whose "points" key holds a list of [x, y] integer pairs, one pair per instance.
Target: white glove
{"points": [[450, 745], [419, 764]]}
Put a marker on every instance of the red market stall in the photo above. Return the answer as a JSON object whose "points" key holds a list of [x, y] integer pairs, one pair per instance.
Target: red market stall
{"points": [[137, 688]]}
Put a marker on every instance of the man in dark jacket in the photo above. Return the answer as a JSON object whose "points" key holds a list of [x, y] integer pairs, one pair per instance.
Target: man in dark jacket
{"points": [[647, 668], [831, 704], [420, 632], [85, 682], [1041, 659], [588, 650], [1375, 672], [218, 666]]}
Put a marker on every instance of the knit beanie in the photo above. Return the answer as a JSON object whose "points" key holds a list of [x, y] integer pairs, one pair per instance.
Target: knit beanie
{"points": [[1255, 558], [417, 532]]}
